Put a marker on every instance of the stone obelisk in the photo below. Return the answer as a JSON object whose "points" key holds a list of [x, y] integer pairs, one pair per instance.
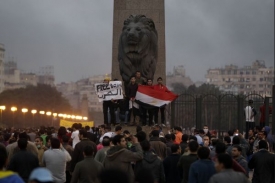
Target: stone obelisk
{"points": [[153, 9]]}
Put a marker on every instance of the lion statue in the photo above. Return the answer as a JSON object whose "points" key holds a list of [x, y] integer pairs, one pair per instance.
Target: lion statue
{"points": [[138, 48]]}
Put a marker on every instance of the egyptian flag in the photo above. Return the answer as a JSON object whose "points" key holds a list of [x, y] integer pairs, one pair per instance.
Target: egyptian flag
{"points": [[148, 96]]}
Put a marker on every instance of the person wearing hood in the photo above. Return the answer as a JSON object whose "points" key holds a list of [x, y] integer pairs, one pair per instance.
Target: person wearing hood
{"points": [[150, 162], [119, 157], [269, 137]]}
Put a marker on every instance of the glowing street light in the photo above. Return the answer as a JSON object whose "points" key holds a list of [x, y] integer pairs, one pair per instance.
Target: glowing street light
{"points": [[2, 107], [41, 112], [13, 109], [85, 118], [24, 110], [33, 113], [48, 113]]}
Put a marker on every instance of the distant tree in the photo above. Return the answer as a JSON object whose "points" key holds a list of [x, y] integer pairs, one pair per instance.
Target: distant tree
{"points": [[178, 88], [203, 89], [40, 97]]}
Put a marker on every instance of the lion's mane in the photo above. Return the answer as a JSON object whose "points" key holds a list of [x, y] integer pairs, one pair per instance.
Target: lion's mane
{"points": [[138, 47]]}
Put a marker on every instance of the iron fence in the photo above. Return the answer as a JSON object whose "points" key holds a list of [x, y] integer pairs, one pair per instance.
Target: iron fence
{"points": [[220, 112]]}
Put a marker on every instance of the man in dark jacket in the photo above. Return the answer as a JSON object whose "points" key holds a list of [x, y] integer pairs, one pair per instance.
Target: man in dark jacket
{"points": [[184, 143], [170, 164], [88, 169], [79, 148], [263, 164], [158, 146], [120, 158], [237, 155], [151, 162], [202, 169], [186, 161], [23, 162]]}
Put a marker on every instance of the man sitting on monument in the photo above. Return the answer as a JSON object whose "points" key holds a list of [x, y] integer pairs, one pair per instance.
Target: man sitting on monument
{"points": [[160, 87], [140, 80]]}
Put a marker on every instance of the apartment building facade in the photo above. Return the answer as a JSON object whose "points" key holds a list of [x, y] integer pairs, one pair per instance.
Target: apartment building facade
{"points": [[254, 78], [84, 88], [2, 56]]}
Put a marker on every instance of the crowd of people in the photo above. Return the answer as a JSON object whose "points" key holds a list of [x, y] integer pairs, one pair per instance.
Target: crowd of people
{"points": [[83, 154]]}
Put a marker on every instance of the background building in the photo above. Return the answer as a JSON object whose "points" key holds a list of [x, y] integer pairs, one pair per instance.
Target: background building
{"points": [[245, 80], [178, 76], [2, 56]]}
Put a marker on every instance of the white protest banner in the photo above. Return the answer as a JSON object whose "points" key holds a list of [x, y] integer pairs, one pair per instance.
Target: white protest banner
{"points": [[110, 91]]}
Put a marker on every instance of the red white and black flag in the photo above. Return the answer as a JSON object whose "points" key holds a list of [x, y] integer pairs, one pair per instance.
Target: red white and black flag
{"points": [[150, 96]]}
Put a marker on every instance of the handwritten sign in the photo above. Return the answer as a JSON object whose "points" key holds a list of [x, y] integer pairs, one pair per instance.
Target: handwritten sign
{"points": [[110, 91]]}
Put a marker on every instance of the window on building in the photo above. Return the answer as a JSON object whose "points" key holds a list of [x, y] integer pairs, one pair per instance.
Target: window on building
{"points": [[222, 72], [253, 79], [254, 72], [247, 72], [228, 72], [261, 79], [260, 86]]}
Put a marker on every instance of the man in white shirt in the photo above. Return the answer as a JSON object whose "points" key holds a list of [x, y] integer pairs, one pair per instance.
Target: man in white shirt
{"points": [[55, 160], [249, 113], [74, 136], [197, 134], [107, 133]]}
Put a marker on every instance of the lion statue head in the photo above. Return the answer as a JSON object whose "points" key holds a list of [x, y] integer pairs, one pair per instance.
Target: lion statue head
{"points": [[138, 47]]}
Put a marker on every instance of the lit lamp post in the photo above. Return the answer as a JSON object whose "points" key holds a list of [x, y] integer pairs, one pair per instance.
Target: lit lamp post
{"points": [[33, 113], [42, 113], [13, 109], [24, 110], [54, 115], [48, 113], [85, 118], [2, 107]]}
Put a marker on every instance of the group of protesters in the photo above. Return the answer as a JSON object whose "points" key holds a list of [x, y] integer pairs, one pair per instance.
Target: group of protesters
{"points": [[83, 154], [129, 112]]}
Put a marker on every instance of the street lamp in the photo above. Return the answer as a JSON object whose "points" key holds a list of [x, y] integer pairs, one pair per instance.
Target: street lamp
{"points": [[85, 118], [13, 109], [42, 113], [2, 107], [48, 113], [33, 113], [24, 110], [54, 115]]}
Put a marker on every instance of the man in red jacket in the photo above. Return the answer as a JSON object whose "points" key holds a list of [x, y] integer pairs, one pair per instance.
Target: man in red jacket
{"points": [[163, 88]]}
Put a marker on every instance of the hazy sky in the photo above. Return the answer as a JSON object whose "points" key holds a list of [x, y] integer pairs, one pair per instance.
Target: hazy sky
{"points": [[75, 36]]}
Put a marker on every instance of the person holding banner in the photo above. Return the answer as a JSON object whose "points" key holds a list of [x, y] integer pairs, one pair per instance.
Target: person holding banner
{"points": [[108, 106], [160, 87], [133, 106]]}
